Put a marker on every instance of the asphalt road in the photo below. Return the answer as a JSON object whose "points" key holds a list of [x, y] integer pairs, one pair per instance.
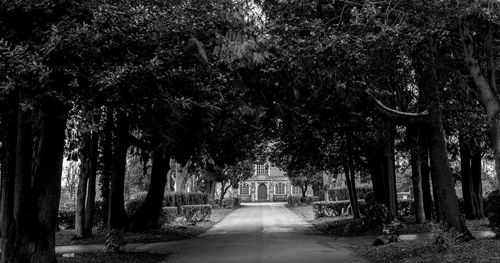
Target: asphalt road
{"points": [[264, 232]]}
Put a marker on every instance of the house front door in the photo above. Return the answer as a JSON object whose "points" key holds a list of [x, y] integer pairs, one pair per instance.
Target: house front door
{"points": [[262, 192]]}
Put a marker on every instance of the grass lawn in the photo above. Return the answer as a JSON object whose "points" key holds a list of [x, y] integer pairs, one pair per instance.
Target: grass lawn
{"points": [[130, 257], [176, 231]]}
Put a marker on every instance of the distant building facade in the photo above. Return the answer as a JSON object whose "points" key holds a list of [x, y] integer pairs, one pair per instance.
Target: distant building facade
{"points": [[268, 184]]}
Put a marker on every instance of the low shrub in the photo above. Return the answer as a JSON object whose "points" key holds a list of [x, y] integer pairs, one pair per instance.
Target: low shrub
{"points": [[196, 213], [447, 237], [493, 208], [375, 213], [168, 215], [293, 200], [66, 219], [341, 193], [135, 202], [392, 230], [114, 242], [330, 208], [336, 208], [179, 199], [231, 202]]}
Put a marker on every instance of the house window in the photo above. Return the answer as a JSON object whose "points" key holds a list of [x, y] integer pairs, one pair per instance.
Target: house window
{"points": [[244, 189], [279, 189], [261, 169], [296, 190]]}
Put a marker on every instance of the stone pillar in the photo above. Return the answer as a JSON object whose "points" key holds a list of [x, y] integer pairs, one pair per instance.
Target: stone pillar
{"points": [[270, 191]]}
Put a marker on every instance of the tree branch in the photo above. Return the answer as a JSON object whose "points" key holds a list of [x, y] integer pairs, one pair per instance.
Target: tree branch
{"points": [[487, 91], [395, 116]]}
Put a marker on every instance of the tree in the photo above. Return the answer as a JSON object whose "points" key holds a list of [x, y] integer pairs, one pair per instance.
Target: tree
{"points": [[37, 88], [304, 177], [233, 175], [478, 29]]}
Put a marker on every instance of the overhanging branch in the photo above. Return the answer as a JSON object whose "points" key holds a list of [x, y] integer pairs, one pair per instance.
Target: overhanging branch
{"points": [[395, 116]]}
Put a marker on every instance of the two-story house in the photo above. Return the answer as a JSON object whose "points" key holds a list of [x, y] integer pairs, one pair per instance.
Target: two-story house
{"points": [[268, 183]]}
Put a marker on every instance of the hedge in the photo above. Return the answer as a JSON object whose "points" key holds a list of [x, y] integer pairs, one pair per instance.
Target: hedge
{"points": [[66, 218], [179, 199], [168, 215], [341, 193], [196, 213], [231, 202]]}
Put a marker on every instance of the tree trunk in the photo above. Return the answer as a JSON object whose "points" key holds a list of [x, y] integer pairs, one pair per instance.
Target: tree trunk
{"points": [[476, 172], [81, 193], [471, 208], [91, 186], [485, 81], [382, 169], [148, 215], [106, 164], [117, 216], [8, 170], [351, 187], [417, 191], [36, 215], [447, 199], [426, 185], [180, 177], [210, 187], [223, 192], [416, 168], [303, 189]]}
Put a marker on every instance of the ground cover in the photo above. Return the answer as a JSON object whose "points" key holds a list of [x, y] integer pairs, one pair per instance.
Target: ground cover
{"points": [[411, 251], [177, 231], [125, 257], [426, 251], [337, 226]]}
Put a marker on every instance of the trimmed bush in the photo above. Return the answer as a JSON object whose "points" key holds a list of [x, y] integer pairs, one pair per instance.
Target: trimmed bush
{"points": [[168, 215], [231, 202], [66, 218], [179, 199], [341, 193], [293, 200], [196, 213], [135, 202], [493, 208]]}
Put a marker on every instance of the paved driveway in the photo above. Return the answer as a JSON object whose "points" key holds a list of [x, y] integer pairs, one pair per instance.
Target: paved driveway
{"points": [[257, 232]]}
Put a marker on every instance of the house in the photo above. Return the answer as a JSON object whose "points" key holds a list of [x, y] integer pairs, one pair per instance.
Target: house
{"points": [[269, 183]]}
